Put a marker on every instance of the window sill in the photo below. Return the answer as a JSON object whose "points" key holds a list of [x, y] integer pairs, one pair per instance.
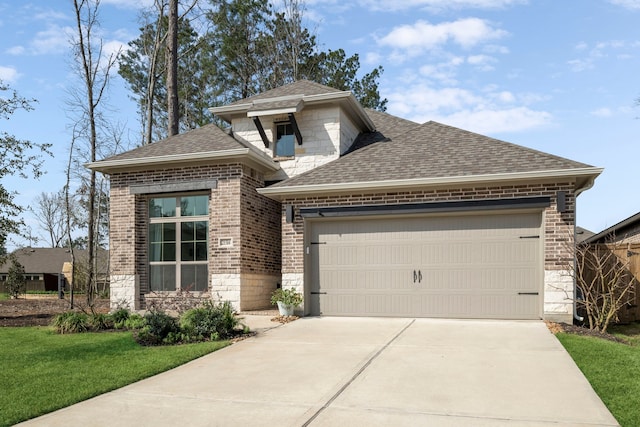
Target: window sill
{"points": [[283, 158]]}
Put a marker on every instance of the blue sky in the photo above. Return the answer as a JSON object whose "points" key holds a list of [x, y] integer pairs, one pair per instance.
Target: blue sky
{"points": [[557, 76]]}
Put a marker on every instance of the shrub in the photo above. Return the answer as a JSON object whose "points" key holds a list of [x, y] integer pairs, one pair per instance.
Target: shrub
{"points": [[157, 327], [210, 321], [134, 321], [16, 282], [71, 322], [100, 321], [120, 317]]}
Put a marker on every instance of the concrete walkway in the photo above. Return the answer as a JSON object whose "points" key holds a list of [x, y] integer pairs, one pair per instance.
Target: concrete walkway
{"points": [[363, 372]]}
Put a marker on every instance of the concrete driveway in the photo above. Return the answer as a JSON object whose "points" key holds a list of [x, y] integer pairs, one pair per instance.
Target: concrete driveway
{"points": [[363, 372]]}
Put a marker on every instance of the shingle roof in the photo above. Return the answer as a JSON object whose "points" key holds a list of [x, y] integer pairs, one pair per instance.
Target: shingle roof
{"points": [[204, 139], [618, 230], [387, 127], [431, 150], [51, 260], [300, 87]]}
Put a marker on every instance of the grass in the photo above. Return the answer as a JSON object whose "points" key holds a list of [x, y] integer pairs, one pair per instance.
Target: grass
{"points": [[41, 371], [613, 369]]}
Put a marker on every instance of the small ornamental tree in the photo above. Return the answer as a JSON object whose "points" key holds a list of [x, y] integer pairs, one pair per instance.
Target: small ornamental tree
{"points": [[604, 283], [16, 282]]}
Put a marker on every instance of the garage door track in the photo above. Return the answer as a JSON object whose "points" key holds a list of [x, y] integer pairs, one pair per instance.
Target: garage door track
{"points": [[363, 372]]}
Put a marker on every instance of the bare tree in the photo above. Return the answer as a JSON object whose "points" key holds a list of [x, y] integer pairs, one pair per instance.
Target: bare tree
{"points": [[94, 67], [604, 282], [50, 214]]}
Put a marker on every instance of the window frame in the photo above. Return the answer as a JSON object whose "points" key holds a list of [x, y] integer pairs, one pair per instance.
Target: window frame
{"points": [[178, 219], [277, 138]]}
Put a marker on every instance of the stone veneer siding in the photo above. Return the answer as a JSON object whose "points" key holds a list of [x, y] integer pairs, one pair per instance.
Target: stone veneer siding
{"points": [[558, 231], [326, 133], [236, 212]]}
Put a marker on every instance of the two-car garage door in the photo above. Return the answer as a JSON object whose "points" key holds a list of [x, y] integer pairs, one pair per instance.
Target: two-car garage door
{"points": [[459, 266]]}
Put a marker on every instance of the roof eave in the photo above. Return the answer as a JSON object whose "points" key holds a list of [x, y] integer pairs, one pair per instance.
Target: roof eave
{"points": [[611, 230], [241, 154], [226, 112], [584, 175]]}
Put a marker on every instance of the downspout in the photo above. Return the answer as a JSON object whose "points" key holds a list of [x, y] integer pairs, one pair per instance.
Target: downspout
{"points": [[575, 287], [575, 265]]}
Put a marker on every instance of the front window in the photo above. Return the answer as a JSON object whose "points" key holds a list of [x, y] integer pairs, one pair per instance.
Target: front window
{"points": [[178, 243], [285, 140]]}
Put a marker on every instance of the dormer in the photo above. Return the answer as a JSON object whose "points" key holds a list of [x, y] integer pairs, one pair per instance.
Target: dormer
{"points": [[302, 125]]}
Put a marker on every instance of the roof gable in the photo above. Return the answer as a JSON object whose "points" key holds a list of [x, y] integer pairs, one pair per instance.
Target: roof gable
{"points": [[206, 143], [299, 87]]}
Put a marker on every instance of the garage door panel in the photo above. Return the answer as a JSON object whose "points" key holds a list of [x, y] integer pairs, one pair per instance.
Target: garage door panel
{"points": [[466, 266]]}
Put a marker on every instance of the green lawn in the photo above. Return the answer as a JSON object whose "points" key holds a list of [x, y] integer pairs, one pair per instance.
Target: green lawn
{"points": [[613, 369], [41, 371]]}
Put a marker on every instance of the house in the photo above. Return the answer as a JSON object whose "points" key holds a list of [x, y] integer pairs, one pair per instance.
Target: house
{"points": [[365, 213], [626, 231], [44, 266], [583, 234], [623, 239]]}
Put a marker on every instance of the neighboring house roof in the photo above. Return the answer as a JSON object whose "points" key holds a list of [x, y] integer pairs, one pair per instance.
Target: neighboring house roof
{"points": [[49, 260], [583, 234], [207, 143], [624, 229], [432, 154], [292, 98]]}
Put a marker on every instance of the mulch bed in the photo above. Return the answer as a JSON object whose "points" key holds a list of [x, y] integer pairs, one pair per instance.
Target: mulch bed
{"points": [[579, 330], [34, 311]]}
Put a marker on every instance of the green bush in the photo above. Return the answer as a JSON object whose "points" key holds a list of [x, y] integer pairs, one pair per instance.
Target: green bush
{"points": [[120, 315], [71, 322], [16, 282], [157, 327], [100, 321], [210, 321], [134, 321]]}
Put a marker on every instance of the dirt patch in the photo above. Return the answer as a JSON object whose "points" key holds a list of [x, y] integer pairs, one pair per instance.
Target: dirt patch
{"points": [[40, 311]]}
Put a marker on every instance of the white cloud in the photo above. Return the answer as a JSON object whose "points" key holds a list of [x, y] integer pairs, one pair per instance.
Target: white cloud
{"points": [[423, 36], [444, 72], [629, 4], [492, 111], [438, 5], [16, 50], [606, 112], [602, 50], [8, 74], [482, 62], [491, 121], [602, 112], [54, 39], [372, 58]]}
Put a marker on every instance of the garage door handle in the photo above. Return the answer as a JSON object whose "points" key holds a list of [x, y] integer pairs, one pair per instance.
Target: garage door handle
{"points": [[419, 276], [415, 276], [528, 293], [318, 293]]}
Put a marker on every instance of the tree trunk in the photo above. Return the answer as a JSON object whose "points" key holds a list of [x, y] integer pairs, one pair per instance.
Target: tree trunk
{"points": [[172, 69]]}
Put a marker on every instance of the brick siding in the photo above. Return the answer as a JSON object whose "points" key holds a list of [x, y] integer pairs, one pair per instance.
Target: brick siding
{"points": [[558, 226], [237, 212]]}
